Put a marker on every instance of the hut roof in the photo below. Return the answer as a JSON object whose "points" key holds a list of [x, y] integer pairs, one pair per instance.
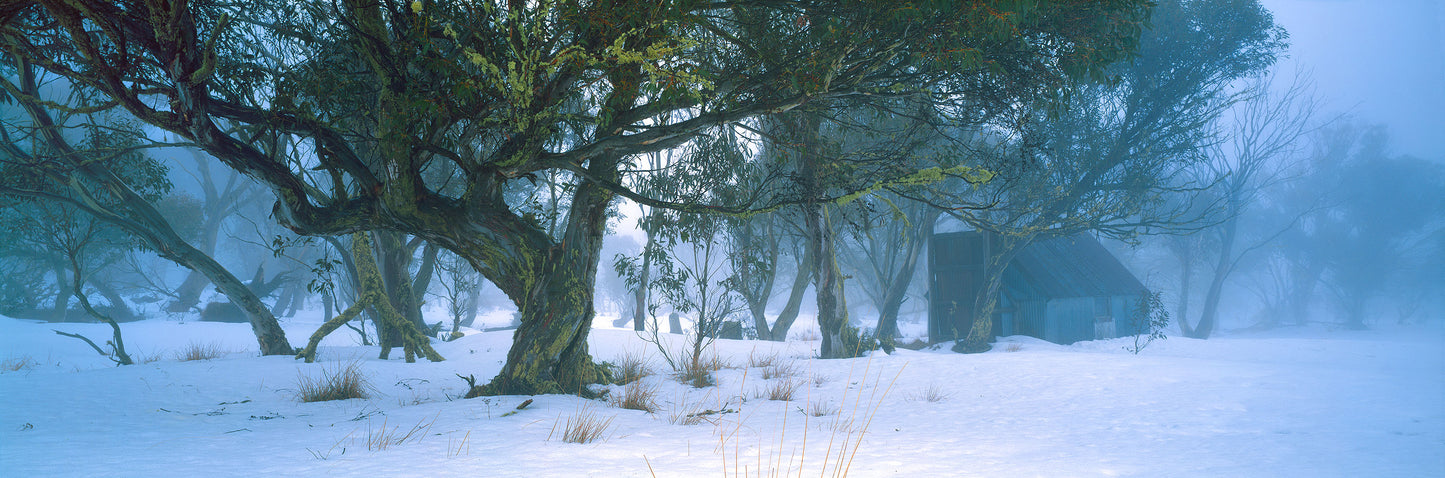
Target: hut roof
{"points": [[1074, 266]]}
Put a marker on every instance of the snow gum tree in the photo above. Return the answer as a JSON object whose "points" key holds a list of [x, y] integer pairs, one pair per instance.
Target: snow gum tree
{"points": [[375, 94]]}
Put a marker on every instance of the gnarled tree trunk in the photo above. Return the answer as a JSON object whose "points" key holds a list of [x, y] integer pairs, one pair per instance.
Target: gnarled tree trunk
{"points": [[898, 287], [795, 297], [549, 349], [981, 333], [828, 283]]}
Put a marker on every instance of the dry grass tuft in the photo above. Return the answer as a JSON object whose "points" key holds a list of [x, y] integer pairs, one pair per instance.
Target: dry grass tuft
{"points": [[682, 412], [715, 362], [697, 373], [779, 369], [842, 443], [200, 351], [820, 380], [697, 377], [636, 396], [143, 357], [456, 449], [782, 390], [821, 409], [16, 364], [382, 438], [756, 360], [631, 367], [1014, 347], [343, 383], [583, 427], [932, 394]]}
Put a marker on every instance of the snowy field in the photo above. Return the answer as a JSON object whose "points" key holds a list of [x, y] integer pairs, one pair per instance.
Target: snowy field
{"points": [[1310, 402]]}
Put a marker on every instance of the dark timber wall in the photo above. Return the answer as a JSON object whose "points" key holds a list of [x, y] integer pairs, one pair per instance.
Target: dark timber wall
{"points": [[1060, 289]]}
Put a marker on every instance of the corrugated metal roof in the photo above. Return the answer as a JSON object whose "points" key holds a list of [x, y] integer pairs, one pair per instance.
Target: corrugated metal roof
{"points": [[1074, 266]]}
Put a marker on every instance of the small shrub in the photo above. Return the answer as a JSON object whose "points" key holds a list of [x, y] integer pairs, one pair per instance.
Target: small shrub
{"points": [[636, 396], [16, 364], [1149, 320], [856, 342], [199, 351], [630, 367], [783, 390], [343, 383], [808, 335], [932, 394], [583, 427]]}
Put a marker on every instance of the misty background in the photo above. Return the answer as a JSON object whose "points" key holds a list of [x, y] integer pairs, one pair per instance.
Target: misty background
{"points": [[1343, 225]]}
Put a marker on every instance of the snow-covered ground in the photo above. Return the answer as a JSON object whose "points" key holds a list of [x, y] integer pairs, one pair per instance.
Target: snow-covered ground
{"points": [[1298, 402]]}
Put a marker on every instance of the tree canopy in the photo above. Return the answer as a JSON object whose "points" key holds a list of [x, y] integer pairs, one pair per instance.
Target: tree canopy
{"points": [[426, 118]]}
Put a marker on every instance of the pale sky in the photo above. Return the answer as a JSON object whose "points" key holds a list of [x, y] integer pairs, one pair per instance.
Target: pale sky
{"points": [[1383, 60]]}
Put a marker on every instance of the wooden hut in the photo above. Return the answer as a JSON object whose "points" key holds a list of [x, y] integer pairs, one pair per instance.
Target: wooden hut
{"points": [[1060, 289]]}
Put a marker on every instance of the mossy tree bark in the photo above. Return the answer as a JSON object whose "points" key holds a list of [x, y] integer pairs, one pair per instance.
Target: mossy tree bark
{"points": [[373, 294], [1003, 250], [828, 285], [814, 173], [549, 349], [393, 258]]}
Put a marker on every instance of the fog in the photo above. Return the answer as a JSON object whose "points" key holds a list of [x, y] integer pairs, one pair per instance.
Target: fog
{"points": [[1342, 224], [1383, 61], [1124, 238]]}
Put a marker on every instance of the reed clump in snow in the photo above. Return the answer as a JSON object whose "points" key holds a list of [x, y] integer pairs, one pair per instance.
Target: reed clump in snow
{"points": [[16, 364], [341, 383], [635, 396], [582, 427], [850, 422], [199, 351], [631, 367], [933, 393]]}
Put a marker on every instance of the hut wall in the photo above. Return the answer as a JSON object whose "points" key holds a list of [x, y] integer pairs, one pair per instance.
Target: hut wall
{"points": [[1031, 317], [1069, 320], [1125, 321]]}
